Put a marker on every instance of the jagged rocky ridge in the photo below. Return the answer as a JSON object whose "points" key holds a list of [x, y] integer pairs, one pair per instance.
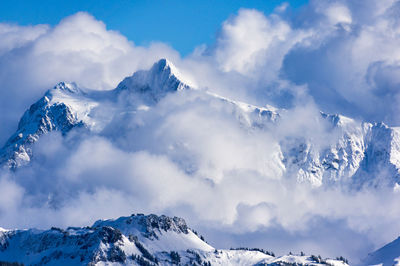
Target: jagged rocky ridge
{"points": [[133, 240], [364, 153]]}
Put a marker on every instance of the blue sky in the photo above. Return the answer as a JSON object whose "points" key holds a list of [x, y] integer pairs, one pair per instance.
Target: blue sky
{"points": [[181, 24]]}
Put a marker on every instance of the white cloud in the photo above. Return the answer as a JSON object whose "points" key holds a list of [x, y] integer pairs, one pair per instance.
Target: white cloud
{"points": [[14, 37], [335, 62], [247, 40], [337, 13]]}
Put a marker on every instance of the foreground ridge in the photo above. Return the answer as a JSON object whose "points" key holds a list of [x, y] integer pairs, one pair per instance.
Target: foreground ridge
{"points": [[135, 240]]}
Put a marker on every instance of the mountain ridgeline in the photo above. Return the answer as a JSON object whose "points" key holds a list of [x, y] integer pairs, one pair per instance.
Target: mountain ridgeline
{"points": [[363, 154], [134, 240]]}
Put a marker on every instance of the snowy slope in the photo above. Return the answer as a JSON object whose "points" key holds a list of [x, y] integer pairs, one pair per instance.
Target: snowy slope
{"points": [[46, 115], [361, 154], [386, 256], [133, 240]]}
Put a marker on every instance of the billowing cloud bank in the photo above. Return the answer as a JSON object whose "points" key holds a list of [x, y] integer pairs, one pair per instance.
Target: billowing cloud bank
{"points": [[336, 56]]}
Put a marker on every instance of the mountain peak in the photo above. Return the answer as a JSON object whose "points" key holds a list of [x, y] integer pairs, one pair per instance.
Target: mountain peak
{"points": [[62, 89], [67, 87], [162, 78], [165, 66], [148, 225]]}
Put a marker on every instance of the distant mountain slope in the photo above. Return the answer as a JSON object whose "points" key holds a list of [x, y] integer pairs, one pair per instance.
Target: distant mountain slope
{"points": [[388, 255], [361, 153], [133, 240]]}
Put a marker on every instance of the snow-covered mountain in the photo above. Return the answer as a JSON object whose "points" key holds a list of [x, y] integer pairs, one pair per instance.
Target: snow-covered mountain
{"points": [[364, 154], [133, 240], [361, 153], [66, 106]]}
